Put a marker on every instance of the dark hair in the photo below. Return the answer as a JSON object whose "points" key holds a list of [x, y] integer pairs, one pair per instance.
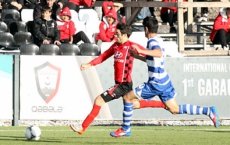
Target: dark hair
{"points": [[46, 8], [151, 23], [124, 29]]}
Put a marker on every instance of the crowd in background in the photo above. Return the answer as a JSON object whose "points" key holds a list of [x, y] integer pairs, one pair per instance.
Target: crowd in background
{"points": [[52, 20]]}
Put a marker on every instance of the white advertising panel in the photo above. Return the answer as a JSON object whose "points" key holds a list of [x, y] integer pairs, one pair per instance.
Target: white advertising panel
{"points": [[52, 87], [6, 85]]}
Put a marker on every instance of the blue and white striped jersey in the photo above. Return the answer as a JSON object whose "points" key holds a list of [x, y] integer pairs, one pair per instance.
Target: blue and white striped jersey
{"points": [[157, 73]]}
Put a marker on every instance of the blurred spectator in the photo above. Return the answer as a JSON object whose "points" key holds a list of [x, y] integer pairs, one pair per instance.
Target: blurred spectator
{"points": [[107, 28], [45, 29], [30, 4], [67, 29], [77, 4], [169, 14], [12, 4], [108, 5], [221, 29], [0, 6], [98, 9], [204, 13], [55, 6], [151, 9]]}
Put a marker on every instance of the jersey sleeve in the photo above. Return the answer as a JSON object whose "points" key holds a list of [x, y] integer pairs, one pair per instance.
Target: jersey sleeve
{"points": [[102, 32], [108, 53], [141, 47], [153, 44], [106, 5]]}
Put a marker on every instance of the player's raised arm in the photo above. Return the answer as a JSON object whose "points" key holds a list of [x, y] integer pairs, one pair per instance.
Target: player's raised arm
{"points": [[136, 54], [85, 66], [154, 53]]}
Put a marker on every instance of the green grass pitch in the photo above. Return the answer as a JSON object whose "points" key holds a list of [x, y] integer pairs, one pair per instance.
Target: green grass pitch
{"points": [[141, 135]]}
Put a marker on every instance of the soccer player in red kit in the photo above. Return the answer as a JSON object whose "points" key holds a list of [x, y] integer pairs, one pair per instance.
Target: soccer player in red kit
{"points": [[123, 65]]}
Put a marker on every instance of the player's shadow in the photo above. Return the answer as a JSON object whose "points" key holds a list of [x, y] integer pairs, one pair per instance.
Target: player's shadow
{"points": [[115, 142], [8, 136], [218, 131], [110, 142], [22, 138]]}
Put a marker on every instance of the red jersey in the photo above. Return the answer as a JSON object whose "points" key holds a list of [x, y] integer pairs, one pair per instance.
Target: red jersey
{"points": [[123, 61], [66, 29], [221, 22], [87, 3], [164, 10]]}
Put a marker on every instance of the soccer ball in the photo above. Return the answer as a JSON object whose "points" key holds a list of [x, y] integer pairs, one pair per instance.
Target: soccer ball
{"points": [[33, 132]]}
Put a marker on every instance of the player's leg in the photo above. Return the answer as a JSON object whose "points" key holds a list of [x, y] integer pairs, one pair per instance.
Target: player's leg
{"points": [[148, 104], [193, 110], [168, 96], [125, 130], [98, 102], [199, 110], [105, 97], [144, 91]]}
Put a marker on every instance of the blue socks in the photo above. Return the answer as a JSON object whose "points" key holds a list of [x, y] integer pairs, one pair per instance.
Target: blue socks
{"points": [[127, 115], [193, 110]]}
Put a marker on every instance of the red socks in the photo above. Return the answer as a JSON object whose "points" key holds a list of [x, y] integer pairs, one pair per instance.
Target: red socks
{"points": [[89, 119], [96, 109], [151, 103]]}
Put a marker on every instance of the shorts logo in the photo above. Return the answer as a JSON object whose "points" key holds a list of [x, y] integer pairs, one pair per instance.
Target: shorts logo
{"points": [[118, 54], [114, 95], [47, 80], [105, 93], [141, 86]]}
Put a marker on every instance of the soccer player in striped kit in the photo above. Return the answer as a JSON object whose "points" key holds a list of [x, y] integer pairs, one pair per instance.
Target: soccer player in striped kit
{"points": [[158, 84], [123, 65]]}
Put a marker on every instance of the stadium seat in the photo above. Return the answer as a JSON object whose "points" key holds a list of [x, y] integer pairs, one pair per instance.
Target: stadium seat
{"points": [[6, 40], [74, 15], [9, 15], [89, 49], [88, 15], [16, 26], [30, 27], [22, 38], [27, 15], [92, 29], [3, 26], [80, 26], [49, 49], [69, 49], [29, 49]]}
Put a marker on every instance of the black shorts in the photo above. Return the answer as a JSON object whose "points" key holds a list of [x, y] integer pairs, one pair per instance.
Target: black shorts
{"points": [[117, 91]]}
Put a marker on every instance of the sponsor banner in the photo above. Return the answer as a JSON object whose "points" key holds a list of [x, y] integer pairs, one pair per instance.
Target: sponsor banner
{"points": [[6, 85], [203, 81], [52, 87]]}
